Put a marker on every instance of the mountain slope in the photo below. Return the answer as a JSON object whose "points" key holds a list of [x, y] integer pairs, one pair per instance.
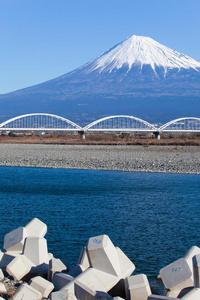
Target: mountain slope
{"points": [[138, 75]]}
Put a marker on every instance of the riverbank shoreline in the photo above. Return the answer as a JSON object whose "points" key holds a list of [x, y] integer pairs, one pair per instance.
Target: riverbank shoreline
{"points": [[157, 159]]}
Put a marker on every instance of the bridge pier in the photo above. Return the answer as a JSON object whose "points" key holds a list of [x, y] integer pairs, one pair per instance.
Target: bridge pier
{"points": [[157, 135], [82, 134]]}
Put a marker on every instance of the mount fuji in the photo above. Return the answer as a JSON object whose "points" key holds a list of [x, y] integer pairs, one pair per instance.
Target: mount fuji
{"points": [[139, 77]]}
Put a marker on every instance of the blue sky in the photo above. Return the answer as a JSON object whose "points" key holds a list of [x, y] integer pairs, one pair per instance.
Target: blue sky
{"points": [[43, 39]]}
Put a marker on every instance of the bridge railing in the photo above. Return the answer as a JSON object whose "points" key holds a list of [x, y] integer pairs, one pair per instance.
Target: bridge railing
{"points": [[122, 123], [189, 124], [118, 123], [39, 121]]}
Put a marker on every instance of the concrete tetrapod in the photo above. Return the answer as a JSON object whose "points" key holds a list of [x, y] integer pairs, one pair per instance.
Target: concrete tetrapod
{"points": [[82, 264], [194, 250], [27, 292], [35, 249], [36, 228], [194, 294], [103, 255], [177, 276], [137, 287], [44, 286], [19, 267], [83, 260], [55, 265], [108, 266], [196, 266], [7, 258], [60, 280], [84, 292], [62, 295], [14, 240]]}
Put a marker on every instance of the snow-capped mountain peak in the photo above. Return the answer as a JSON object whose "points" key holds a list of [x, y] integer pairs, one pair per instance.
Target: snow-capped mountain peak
{"points": [[140, 51]]}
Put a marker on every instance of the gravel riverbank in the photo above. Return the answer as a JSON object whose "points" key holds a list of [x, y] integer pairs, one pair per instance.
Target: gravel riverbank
{"points": [[168, 159]]}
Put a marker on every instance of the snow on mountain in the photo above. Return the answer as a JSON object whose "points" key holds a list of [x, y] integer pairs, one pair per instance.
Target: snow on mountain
{"points": [[139, 77], [140, 51]]}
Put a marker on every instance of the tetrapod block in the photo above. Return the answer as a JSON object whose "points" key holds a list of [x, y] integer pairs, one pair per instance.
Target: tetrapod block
{"points": [[173, 293], [194, 250], [7, 258], [126, 265], [137, 287], [83, 259], [60, 280], [55, 265], [19, 267], [35, 249], [177, 275], [76, 270], [62, 295], [14, 240], [36, 228], [27, 292], [97, 280], [83, 292], [194, 294], [196, 268], [44, 286], [103, 255]]}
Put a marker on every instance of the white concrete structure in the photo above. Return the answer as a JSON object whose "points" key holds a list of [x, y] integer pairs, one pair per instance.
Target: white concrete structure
{"points": [[44, 286], [137, 287], [96, 280], [26, 292], [103, 255], [60, 280], [35, 249], [19, 267], [126, 265], [62, 295], [76, 270], [194, 294], [14, 240], [108, 266], [196, 269], [55, 265], [83, 260], [83, 292], [177, 276], [36, 228], [7, 258], [194, 250]]}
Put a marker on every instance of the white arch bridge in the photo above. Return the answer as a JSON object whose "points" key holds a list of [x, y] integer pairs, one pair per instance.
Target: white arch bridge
{"points": [[120, 123]]}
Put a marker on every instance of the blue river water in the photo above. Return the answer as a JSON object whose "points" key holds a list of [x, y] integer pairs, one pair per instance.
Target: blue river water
{"points": [[154, 218]]}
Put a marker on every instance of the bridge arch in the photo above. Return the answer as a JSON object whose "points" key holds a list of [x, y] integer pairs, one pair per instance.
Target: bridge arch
{"points": [[39, 121], [188, 124], [122, 123]]}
